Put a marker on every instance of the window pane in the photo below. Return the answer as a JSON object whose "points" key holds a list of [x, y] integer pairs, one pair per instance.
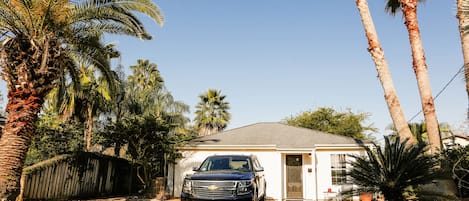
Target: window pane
{"points": [[338, 169]]}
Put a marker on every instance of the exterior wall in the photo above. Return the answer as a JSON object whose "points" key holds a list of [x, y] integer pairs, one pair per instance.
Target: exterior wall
{"points": [[457, 140], [461, 141], [270, 160], [309, 183], [323, 169]]}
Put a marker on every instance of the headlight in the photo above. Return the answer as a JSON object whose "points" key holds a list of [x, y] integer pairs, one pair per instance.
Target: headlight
{"points": [[187, 186], [244, 187]]}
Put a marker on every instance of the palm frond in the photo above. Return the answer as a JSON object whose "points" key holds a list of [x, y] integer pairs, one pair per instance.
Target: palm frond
{"points": [[119, 12]]}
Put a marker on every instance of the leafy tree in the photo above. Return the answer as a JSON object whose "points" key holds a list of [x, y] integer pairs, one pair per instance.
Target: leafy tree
{"points": [[331, 121], [148, 121], [211, 115], [86, 99], [398, 171], [148, 141], [54, 137], [409, 11], [39, 40], [384, 75]]}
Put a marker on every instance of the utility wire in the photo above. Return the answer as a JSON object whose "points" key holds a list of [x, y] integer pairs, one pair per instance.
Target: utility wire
{"points": [[437, 95], [441, 91]]}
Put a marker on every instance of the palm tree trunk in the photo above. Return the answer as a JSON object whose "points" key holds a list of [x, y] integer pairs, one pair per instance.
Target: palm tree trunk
{"points": [[23, 108], [409, 9], [377, 54], [463, 22], [89, 127]]}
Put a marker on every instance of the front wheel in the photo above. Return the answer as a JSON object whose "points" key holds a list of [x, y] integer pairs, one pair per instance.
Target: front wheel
{"points": [[254, 194], [265, 194]]}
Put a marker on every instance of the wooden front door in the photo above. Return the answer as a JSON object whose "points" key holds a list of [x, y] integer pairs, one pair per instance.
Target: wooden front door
{"points": [[294, 176]]}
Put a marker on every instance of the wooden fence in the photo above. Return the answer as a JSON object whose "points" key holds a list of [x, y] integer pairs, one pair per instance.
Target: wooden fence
{"points": [[76, 176]]}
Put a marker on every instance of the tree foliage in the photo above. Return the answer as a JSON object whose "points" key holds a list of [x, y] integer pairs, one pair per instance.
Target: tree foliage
{"points": [[86, 99], [331, 121], [211, 115], [39, 41], [148, 121], [54, 137]]}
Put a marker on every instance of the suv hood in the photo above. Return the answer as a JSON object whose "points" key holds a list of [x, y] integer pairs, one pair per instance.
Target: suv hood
{"points": [[221, 175]]}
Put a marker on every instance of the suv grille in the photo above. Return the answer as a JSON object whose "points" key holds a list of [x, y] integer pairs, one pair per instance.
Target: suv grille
{"points": [[214, 189]]}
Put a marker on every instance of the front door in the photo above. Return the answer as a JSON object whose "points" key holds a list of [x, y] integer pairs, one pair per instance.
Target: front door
{"points": [[294, 176]]}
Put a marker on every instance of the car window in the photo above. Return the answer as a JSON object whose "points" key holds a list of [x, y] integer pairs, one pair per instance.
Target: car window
{"points": [[241, 165], [226, 163]]}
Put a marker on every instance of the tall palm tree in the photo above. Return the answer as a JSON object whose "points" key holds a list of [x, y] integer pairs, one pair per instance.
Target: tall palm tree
{"points": [[145, 75], [87, 99], [150, 121], [409, 10], [394, 169], [146, 89], [39, 40], [463, 17], [212, 113], [377, 54]]}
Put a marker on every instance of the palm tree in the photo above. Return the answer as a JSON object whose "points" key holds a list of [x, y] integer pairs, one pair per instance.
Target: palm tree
{"points": [[150, 121], [146, 87], [145, 75], [39, 40], [87, 99], [409, 10], [419, 130], [377, 54], [395, 170], [463, 17], [212, 113]]}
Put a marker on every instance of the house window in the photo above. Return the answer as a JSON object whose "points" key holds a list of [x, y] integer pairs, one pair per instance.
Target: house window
{"points": [[338, 169]]}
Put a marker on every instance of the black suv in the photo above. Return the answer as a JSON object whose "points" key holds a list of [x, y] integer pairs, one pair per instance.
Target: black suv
{"points": [[226, 177]]}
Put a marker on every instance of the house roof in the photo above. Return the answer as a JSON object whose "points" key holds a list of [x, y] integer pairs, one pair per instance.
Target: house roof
{"points": [[276, 135]]}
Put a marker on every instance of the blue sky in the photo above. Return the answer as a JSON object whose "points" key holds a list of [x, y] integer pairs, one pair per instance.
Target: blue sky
{"points": [[277, 58]]}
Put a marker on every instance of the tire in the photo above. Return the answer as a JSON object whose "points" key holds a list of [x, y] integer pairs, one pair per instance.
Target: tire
{"points": [[254, 194], [265, 193]]}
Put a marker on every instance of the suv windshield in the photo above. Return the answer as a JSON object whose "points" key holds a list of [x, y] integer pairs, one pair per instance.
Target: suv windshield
{"points": [[238, 163]]}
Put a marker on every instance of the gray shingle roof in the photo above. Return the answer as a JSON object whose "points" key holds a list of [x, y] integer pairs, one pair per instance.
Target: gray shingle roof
{"points": [[273, 134]]}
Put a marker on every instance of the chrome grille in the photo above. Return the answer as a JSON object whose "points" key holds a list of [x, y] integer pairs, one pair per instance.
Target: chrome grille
{"points": [[214, 189]]}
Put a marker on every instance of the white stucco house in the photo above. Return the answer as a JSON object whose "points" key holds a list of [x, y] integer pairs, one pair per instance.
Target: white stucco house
{"points": [[458, 139], [298, 163]]}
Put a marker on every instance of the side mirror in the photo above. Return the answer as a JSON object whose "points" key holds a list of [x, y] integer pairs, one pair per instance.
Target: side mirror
{"points": [[259, 169], [195, 168]]}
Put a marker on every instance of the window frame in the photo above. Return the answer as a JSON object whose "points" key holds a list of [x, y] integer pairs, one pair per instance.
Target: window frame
{"points": [[339, 168]]}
